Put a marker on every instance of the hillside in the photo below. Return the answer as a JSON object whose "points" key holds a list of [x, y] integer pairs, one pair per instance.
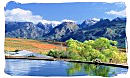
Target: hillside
{"points": [[12, 44], [87, 30]]}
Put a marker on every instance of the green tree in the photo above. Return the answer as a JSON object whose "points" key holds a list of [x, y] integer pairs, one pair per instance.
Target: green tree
{"points": [[101, 48]]}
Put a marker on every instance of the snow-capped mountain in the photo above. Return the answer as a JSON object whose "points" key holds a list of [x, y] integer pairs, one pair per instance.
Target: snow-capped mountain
{"points": [[64, 30], [50, 23], [89, 22]]}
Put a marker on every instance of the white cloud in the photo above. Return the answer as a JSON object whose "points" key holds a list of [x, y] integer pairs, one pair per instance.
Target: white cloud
{"points": [[66, 20], [54, 23], [20, 15], [49, 22], [96, 19], [117, 13], [120, 4], [116, 3]]}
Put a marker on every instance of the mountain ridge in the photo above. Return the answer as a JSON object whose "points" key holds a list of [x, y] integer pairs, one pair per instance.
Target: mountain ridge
{"points": [[91, 29]]}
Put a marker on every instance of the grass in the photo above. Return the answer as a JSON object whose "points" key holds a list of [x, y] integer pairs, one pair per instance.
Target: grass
{"points": [[12, 44]]}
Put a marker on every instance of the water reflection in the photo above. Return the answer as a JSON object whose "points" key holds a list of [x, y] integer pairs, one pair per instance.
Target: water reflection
{"points": [[19, 67], [94, 70]]}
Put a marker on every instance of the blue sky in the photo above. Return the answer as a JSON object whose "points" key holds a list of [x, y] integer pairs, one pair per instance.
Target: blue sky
{"points": [[72, 11]]}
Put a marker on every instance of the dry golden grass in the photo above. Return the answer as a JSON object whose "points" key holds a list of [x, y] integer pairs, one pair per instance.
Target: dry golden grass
{"points": [[12, 44]]}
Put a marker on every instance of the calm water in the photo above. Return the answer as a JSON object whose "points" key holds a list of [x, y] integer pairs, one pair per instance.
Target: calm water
{"points": [[22, 67]]}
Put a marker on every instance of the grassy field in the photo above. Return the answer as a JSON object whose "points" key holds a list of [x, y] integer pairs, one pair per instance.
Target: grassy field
{"points": [[12, 44]]}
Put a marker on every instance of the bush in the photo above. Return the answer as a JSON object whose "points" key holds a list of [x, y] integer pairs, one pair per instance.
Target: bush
{"points": [[16, 50], [60, 54], [101, 48], [31, 55], [53, 53]]}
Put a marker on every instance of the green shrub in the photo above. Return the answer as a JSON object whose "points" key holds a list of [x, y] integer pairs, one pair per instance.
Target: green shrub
{"points": [[16, 50], [53, 53], [31, 55], [101, 48], [60, 54]]}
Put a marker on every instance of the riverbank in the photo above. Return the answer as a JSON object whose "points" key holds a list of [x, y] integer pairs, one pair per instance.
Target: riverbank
{"points": [[68, 60]]}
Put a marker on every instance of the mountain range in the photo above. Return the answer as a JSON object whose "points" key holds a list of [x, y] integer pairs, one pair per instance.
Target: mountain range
{"points": [[87, 30]]}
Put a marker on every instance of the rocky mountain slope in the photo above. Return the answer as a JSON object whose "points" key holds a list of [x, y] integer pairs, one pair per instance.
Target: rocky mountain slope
{"points": [[89, 29]]}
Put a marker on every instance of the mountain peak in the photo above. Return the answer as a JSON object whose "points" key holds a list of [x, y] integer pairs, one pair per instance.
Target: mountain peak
{"points": [[119, 19], [89, 22], [67, 23], [52, 23]]}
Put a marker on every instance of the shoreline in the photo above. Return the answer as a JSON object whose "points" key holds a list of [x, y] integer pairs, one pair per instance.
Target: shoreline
{"points": [[68, 60]]}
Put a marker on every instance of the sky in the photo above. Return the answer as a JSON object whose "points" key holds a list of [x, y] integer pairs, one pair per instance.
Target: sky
{"points": [[58, 12]]}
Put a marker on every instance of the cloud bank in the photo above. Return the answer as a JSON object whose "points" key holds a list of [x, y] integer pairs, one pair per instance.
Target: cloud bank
{"points": [[20, 15], [117, 13]]}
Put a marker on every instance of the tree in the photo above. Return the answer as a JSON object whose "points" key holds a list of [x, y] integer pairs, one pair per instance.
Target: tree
{"points": [[101, 48]]}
